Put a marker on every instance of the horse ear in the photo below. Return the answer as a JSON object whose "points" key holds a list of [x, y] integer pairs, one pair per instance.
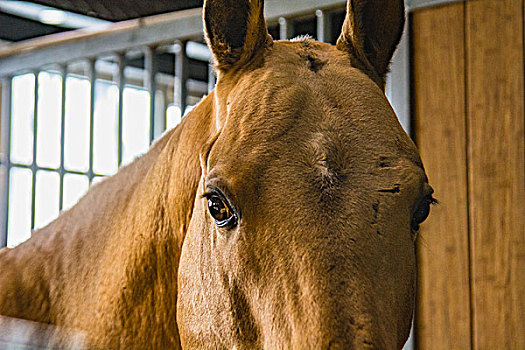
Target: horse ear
{"points": [[235, 30], [371, 31]]}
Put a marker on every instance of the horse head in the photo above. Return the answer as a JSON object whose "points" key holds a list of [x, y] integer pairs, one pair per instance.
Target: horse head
{"points": [[304, 222]]}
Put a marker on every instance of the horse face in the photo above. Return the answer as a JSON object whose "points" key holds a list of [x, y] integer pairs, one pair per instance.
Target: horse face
{"points": [[303, 228]]}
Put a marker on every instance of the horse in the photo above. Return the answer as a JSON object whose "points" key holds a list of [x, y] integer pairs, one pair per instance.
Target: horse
{"points": [[282, 212]]}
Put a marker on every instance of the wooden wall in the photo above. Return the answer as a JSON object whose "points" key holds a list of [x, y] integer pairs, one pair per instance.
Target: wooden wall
{"points": [[468, 110]]}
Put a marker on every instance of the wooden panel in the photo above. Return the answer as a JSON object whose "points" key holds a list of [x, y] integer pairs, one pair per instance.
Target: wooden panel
{"points": [[443, 318], [495, 112]]}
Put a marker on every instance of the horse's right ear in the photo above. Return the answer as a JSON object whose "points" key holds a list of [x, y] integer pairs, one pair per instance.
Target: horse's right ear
{"points": [[371, 31], [235, 30]]}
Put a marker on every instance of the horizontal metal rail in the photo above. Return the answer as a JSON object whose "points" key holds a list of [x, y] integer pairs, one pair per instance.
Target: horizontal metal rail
{"points": [[63, 48], [412, 5], [76, 45], [79, 44], [59, 170]]}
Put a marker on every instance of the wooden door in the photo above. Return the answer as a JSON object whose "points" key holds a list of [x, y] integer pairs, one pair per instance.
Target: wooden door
{"points": [[468, 110]]}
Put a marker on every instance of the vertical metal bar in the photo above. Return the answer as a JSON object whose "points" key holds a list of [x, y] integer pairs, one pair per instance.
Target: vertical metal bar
{"points": [[397, 87], [92, 76], [324, 26], [5, 139], [211, 77], [61, 171], [150, 65], [161, 107], [285, 29], [181, 76], [34, 167], [121, 83], [165, 104]]}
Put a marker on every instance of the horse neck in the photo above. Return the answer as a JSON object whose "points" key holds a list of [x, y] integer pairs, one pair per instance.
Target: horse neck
{"points": [[147, 236], [114, 256], [156, 192]]}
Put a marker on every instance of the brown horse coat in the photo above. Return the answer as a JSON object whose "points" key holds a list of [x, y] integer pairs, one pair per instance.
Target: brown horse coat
{"points": [[325, 192]]}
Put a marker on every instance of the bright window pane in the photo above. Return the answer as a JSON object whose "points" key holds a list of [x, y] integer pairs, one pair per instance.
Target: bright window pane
{"points": [[23, 102], [135, 126], [76, 150], [19, 227], [105, 156], [75, 186], [46, 197], [97, 179], [49, 113], [173, 116]]}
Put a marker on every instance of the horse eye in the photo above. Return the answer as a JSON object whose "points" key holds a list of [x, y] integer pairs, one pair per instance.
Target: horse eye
{"points": [[220, 211], [422, 212]]}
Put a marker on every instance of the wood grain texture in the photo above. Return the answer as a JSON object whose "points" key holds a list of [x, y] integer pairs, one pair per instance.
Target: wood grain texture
{"points": [[495, 112], [443, 319]]}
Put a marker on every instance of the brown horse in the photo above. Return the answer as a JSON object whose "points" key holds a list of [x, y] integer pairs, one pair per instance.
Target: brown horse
{"points": [[281, 213]]}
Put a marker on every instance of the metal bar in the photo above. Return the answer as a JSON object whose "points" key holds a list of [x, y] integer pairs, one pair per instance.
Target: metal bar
{"points": [[161, 108], [33, 164], [324, 26], [285, 29], [181, 25], [198, 51], [150, 70], [56, 170], [161, 121], [295, 8], [412, 5], [212, 80], [196, 87], [63, 74], [5, 140], [92, 76], [181, 76], [121, 83], [76, 45], [397, 87], [107, 70]]}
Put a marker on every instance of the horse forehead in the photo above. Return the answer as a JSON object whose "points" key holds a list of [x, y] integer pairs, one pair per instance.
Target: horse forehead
{"points": [[307, 132], [299, 76], [331, 108], [338, 104]]}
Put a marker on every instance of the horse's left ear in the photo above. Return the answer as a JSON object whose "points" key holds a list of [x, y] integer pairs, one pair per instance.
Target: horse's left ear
{"points": [[371, 31], [235, 30]]}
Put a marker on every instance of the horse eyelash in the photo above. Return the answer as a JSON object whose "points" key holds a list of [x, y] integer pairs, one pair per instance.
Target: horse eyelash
{"points": [[210, 191], [209, 194]]}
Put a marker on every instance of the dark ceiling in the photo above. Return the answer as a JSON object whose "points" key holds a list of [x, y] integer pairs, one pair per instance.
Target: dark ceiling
{"points": [[14, 28], [120, 10]]}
